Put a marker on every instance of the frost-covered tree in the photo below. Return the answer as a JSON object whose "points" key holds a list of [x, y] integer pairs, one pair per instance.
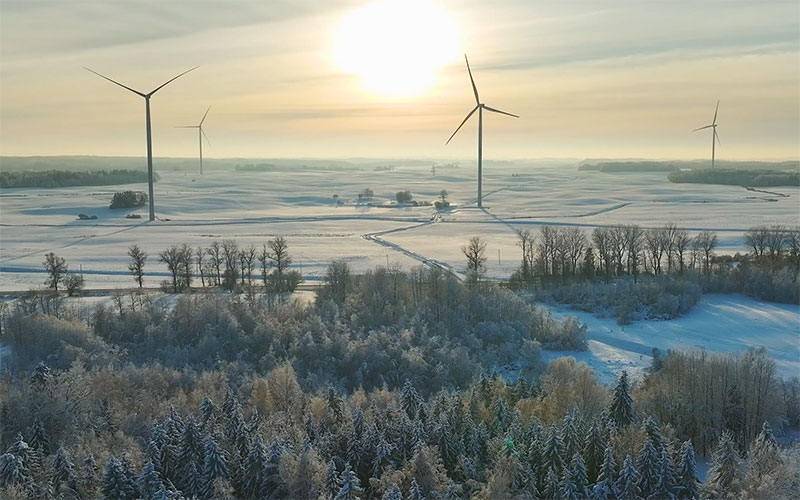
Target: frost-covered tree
{"points": [[393, 493], [39, 439], [215, 466], [593, 452], [552, 453], [667, 485], [150, 481], [568, 490], [41, 375], [648, 467], [331, 480], [621, 410], [253, 475], [116, 483], [628, 481], [578, 474], [136, 265], [12, 470], [415, 492], [724, 476], [63, 472], [552, 488], [606, 486], [688, 486], [350, 485]]}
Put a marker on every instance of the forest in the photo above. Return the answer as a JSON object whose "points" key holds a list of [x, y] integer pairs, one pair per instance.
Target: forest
{"points": [[388, 385], [737, 177], [67, 178]]}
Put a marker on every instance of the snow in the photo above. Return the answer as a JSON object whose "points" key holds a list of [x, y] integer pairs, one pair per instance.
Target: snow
{"points": [[719, 323], [300, 205]]}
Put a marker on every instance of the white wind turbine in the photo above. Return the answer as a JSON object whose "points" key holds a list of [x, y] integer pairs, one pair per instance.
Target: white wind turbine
{"points": [[479, 107], [714, 136], [200, 134], [147, 122]]}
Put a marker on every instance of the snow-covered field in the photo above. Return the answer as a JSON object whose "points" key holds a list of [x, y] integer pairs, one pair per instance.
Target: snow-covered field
{"points": [[720, 323], [254, 206]]}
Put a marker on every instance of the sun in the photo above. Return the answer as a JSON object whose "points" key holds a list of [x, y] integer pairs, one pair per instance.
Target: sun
{"points": [[396, 46]]}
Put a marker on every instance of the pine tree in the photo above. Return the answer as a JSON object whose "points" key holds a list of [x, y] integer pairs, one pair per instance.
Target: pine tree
{"points": [[578, 474], [41, 376], [89, 475], [606, 487], [39, 438], [648, 468], [552, 453], [253, 478], [733, 416], [764, 457], [415, 492], [272, 478], [688, 487], [446, 441], [653, 431], [190, 448], [667, 486], [207, 410], [724, 475], [12, 470], [621, 410], [569, 490], [115, 483], [410, 401], [393, 493], [351, 486], [627, 484], [191, 480], [153, 454], [500, 420], [551, 487], [570, 439], [215, 466]]}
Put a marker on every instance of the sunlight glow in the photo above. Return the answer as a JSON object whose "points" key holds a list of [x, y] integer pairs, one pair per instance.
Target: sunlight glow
{"points": [[395, 46]]}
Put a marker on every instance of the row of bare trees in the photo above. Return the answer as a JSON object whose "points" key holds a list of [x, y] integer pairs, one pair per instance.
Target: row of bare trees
{"points": [[771, 244], [223, 264], [562, 252]]}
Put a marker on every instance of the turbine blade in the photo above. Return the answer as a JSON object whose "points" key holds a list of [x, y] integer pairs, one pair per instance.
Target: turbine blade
{"points": [[171, 80], [701, 128], [462, 124], [112, 81], [717, 136], [186, 126], [204, 135], [474, 88], [715, 113], [487, 108], [204, 116]]}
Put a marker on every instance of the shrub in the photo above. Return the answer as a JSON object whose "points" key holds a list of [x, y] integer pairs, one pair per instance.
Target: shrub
{"points": [[128, 199]]}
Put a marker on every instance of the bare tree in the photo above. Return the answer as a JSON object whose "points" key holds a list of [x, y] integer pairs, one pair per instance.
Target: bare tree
{"points": [[776, 242], [707, 242], [136, 265], [682, 240], [199, 254], [73, 283], [338, 281], [527, 242], [230, 255], [654, 246], [248, 258], [56, 268], [634, 235], [575, 242], [215, 257], [173, 258], [475, 252], [669, 233], [185, 266], [756, 239], [618, 247], [547, 249], [601, 237]]}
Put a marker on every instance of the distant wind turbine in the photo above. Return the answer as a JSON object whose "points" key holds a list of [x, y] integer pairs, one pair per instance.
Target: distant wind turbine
{"points": [[714, 136], [147, 121], [479, 107], [200, 134]]}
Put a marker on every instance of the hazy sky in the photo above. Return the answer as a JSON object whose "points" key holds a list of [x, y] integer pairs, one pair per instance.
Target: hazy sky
{"points": [[589, 78]]}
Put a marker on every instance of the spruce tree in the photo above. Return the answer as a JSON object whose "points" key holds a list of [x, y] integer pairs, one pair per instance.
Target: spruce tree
{"points": [[350, 485], [568, 490], [63, 471], [393, 493], [207, 410], [190, 448], [578, 474], [593, 452], [667, 484], [41, 376], [12, 470], [410, 400], [552, 488], [648, 468], [116, 484], [764, 456], [332, 480], [606, 486], [724, 475], [89, 475], [39, 439], [415, 492], [552, 453], [215, 466], [688, 487], [253, 480], [621, 410], [653, 431], [150, 481], [628, 482]]}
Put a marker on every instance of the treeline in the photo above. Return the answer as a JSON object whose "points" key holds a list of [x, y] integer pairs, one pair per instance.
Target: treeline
{"points": [[630, 166], [737, 177], [66, 178], [654, 273], [154, 433]]}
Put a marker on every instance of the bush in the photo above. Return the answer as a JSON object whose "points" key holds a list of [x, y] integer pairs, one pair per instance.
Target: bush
{"points": [[403, 197], [128, 199]]}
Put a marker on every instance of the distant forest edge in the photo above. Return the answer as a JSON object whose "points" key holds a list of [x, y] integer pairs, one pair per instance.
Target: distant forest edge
{"points": [[67, 178], [701, 165], [750, 178]]}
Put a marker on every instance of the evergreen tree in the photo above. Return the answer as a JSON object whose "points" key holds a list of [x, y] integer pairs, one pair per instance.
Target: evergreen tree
{"points": [[445, 440], [570, 439], [648, 468], [12, 470], [153, 454], [552, 454], [621, 410], [569, 490], [63, 471], [207, 410], [190, 448], [39, 439], [764, 457], [500, 420], [733, 416], [724, 475], [89, 475], [653, 431], [253, 477], [351, 486], [332, 480], [215, 467], [688, 486], [41, 376], [628, 482], [578, 474], [116, 484], [272, 479], [150, 481], [393, 493], [593, 452], [551, 487], [606, 487], [410, 400], [667, 484], [415, 492]]}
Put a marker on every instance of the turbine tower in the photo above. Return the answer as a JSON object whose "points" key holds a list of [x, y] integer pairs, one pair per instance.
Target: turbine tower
{"points": [[714, 136], [147, 97], [479, 107], [200, 135]]}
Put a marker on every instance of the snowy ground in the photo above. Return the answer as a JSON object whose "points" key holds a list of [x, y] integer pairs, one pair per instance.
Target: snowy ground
{"points": [[720, 323], [254, 206]]}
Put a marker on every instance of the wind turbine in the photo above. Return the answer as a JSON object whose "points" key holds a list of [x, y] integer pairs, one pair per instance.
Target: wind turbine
{"points": [[200, 135], [479, 107], [147, 97], [714, 136]]}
